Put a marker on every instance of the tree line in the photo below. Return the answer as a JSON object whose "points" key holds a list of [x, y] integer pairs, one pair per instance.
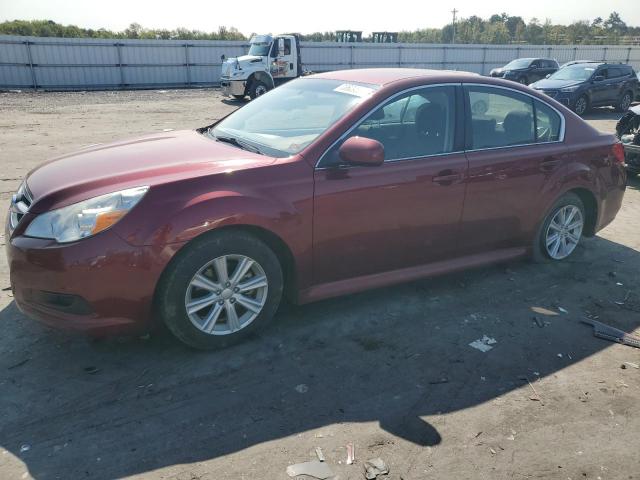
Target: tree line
{"points": [[498, 29]]}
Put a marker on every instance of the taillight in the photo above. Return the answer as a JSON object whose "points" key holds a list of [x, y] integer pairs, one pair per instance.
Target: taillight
{"points": [[618, 152]]}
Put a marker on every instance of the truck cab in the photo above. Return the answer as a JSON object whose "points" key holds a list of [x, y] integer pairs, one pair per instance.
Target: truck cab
{"points": [[269, 62]]}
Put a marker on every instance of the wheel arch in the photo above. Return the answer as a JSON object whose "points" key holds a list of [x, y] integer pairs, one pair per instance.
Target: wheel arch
{"points": [[271, 239], [262, 77], [590, 208]]}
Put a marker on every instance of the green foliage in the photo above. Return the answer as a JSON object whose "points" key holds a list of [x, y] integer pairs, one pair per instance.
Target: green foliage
{"points": [[500, 28], [48, 28]]}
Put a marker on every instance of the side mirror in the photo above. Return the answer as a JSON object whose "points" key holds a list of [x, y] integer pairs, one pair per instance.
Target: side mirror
{"points": [[533, 67], [547, 75], [598, 78], [362, 151], [281, 47], [223, 57]]}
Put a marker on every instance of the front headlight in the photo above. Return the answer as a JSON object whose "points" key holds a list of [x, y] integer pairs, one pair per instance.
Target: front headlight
{"points": [[86, 218], [570, 89]]}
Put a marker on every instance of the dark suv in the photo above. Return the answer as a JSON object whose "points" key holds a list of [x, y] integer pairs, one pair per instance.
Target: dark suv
{"points": [[526, 70], [581, 86]]}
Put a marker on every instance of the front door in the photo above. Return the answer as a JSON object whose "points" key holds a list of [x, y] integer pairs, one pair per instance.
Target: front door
{"points": [[514, 153], [284, 66], [404, 213]]}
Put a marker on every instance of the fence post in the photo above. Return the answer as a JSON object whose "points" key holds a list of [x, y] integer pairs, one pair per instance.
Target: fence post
{"points": [[575, 52], [399, 55], [119, 48], [33, 71], [549, 52], [628, 55], [604, 54], [186, 63], [444, 56], [351, 57], [484, 60]]}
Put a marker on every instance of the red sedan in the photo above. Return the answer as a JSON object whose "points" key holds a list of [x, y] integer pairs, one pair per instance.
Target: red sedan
{"points": [[328, 185]]}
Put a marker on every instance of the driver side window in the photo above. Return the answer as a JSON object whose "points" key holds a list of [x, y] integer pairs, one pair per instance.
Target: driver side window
{"points": [[416, 124]]}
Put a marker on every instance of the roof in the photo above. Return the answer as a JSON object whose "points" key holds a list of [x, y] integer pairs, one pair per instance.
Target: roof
{"points": [[383, 76]]}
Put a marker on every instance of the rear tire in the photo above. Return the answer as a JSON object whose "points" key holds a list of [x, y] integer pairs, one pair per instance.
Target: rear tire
{"points": [[625, 102], [561, 230], [523, 81], [202, 279]]}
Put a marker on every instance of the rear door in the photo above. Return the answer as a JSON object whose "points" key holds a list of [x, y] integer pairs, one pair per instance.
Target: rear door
{"points": [[405, 212], [616, 81], [600, 89], [514, 152]]}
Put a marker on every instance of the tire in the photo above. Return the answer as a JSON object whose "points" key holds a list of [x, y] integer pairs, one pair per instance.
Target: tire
{"points": [[239, 97], [625, 102], [211, 324], [581, 106], [523, 81], [543, 248], [257, 89]]}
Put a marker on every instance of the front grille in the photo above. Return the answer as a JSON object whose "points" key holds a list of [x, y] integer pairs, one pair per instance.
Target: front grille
{"points": [[20, 204], [551, 93]]}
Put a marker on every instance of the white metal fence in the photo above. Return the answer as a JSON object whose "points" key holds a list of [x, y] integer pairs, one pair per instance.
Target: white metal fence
{"points": [[84, 63]]}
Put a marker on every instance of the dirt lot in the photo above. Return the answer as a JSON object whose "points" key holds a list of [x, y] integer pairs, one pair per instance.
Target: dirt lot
{"points": [[389, 370]]}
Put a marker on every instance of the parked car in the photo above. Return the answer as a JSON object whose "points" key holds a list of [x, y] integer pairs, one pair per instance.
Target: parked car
{"points": [[327, 185], [584, 85], [628, 131], [526, 70]]}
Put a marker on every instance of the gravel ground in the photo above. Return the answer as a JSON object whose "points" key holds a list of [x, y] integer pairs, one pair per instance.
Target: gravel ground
{"points": [[389, 370]]}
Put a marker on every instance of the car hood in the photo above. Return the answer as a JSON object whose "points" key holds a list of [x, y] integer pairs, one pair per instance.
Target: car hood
{"points": [[148, 160], [548, 83]]}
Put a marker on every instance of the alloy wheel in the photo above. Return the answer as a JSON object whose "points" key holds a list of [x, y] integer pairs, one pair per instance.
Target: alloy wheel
{"points": [[626, 101], [581, 106], [564, 231], [226, 294], [260, 90]]}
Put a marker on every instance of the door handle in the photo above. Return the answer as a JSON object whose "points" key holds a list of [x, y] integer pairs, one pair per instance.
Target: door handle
{"points": [[446, 177], [549, 164]]}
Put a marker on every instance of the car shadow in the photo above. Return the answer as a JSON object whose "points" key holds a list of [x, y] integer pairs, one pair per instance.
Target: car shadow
{"points": [[393, 355], [234, 102]]}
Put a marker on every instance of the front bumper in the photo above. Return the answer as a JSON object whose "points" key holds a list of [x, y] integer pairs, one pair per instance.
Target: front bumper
{"points": [[99, 285], [568, 99], [232, 87]]}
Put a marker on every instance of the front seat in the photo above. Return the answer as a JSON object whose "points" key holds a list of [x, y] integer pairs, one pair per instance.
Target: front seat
{"points": [[430, 128]]}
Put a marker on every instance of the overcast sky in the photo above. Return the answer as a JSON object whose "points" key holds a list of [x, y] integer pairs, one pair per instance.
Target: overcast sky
{"points": [[262, 16]]}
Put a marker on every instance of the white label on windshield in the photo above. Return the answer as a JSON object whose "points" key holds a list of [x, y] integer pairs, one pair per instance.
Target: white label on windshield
{"points": [[590, 69], [352, 89]]}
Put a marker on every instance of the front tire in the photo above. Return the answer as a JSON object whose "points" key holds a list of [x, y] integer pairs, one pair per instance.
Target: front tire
{"points": [[523, 81], [561, 230], [257, 89], [222, 289], [582, 105]]}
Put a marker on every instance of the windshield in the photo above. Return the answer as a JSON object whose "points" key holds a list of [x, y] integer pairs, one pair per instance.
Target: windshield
{"points": [[259, 49], [518, 63], [573, 72], [290, 117]]}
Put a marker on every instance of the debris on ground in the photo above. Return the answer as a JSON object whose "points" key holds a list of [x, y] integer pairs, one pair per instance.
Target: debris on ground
{"points": [[613, 334], [374, 467], [563, 310], [538, 321], [91, 370], [25, 448], [535, 397], [439, 380], [483, 344], [319, 454], [302, 388], [315, 469], [629, 365], [544, 311], [351, 453]]}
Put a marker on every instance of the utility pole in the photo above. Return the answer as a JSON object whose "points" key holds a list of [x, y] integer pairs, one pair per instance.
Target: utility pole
{"points": [[453, 24]]}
